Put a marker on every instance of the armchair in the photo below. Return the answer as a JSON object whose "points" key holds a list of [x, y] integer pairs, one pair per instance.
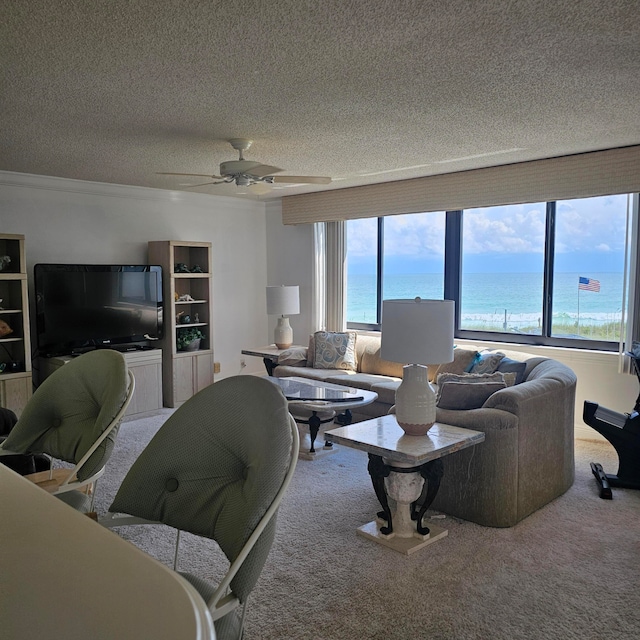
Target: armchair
{"points": [[217, 468], [74, 417]]}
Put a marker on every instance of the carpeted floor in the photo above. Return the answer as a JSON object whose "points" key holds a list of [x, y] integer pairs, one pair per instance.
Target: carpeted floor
{"points": [[569, 571]]}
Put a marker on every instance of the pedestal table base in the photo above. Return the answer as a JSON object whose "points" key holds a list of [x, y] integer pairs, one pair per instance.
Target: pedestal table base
{"points": [[413, 488]]}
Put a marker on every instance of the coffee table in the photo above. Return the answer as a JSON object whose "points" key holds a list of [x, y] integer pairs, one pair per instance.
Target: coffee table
{"points": [[407, 469], [314, 403]]}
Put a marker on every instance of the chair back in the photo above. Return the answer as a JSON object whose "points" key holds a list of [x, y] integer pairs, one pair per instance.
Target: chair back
{"points": [[215, 469], [71, 410]]}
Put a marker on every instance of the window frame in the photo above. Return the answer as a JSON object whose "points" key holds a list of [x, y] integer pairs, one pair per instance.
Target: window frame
{"points": [[453, 253]]}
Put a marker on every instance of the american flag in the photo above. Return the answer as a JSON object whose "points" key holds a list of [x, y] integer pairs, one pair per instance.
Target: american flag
{"points": [[589, 284]]}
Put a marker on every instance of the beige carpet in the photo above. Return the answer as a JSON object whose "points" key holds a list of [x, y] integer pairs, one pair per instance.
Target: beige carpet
{"points": [[570, 570]]}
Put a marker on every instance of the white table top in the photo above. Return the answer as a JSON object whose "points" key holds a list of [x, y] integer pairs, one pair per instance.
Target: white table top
{"points": [[62, 575], [384, 437], [350, 397]]}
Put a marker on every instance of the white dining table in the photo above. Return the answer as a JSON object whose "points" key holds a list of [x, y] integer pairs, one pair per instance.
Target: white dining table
{"points": [[62, 575]]}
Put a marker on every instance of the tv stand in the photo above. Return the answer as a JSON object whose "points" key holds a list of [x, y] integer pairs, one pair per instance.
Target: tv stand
{"points": [[122, 348], [146, 365], [126, 348]]}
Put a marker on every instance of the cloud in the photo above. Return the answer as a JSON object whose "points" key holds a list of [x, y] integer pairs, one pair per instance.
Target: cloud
{"points": [[581, 225]]}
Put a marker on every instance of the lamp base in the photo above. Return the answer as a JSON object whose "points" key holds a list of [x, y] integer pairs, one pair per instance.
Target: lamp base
{"points": [[415, 401], [283, 334]]}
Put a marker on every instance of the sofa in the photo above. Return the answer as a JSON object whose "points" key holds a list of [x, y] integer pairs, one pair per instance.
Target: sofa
{"points": [[527, 458]]}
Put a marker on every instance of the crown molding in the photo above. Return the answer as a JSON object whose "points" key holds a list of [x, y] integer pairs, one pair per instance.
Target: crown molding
{"points": [[104, 189]]}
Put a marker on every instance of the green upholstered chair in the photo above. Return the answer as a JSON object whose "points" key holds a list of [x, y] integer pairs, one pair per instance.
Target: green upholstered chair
{"points": [[218, 468], [74, 416]]}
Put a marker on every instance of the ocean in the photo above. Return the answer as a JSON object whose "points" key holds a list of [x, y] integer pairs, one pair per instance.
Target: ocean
{"points": [[499, 301]]}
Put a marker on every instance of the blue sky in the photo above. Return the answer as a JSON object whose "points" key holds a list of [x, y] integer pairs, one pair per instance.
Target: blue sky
{"points": [[590, 236]]}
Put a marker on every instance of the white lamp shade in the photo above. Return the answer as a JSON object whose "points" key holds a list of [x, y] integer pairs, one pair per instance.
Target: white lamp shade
{"points": [[283, 300], [417, 331]]}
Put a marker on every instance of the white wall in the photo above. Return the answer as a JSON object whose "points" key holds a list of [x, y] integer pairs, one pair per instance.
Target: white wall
{"points": [[289, 262], [73, 221]]}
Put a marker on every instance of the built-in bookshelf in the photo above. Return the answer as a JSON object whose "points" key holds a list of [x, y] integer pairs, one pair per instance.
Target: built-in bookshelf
{"points": [[186, 277], [16, 384]]}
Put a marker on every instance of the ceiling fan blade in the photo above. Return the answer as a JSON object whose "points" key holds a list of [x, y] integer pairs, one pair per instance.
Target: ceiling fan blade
{"points": [[193, 186], [263, 170], [196, 175], [260, 188], [302, 179]]}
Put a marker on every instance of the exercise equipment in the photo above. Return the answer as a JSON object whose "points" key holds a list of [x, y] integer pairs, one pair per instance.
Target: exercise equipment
{"points": [[622, 430]]}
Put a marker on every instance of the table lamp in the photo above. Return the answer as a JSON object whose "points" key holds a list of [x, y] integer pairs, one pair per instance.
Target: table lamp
{"points": [[419, 332], [283, 301]]}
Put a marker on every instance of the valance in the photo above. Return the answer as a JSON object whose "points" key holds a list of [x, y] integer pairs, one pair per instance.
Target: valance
{"points": [[596, 173]]}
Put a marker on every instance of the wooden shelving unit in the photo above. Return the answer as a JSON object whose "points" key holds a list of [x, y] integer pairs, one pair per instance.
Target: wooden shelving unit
{"points": [[147, 370], [184, 373], [16, 385]]}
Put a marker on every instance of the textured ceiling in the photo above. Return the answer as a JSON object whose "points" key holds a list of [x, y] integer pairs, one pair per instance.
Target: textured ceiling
{"points": [[361, 91]]}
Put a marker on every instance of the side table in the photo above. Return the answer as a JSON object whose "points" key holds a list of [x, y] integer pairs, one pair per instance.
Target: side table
{"points": [[268, 354], [407, 469]]}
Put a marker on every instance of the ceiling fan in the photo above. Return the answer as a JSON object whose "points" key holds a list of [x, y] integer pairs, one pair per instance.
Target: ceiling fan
{"points": [[246, 173]]}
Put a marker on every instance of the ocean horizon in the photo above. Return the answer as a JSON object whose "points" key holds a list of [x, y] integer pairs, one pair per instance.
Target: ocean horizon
{"points": [[498, 301]]}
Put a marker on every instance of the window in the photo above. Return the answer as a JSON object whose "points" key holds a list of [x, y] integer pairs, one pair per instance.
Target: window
{"points": [[362, 271], [543, 273], [396, 257], [503, 268], [588, 275]]}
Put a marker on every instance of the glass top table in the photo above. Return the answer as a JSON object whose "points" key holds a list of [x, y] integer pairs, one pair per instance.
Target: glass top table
{"points": [[314, 403], [323, 395]]}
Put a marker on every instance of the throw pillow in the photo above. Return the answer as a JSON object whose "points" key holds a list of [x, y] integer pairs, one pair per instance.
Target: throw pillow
{"points": [[294, 357], [507, 365], [471, 378], [311, 351], [488, 363], [462, 358], [335, 350], [466, 395], [508, 378]]}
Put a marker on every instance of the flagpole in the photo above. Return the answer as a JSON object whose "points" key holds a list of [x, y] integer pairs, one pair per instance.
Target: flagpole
{"points": [[578, 305]]}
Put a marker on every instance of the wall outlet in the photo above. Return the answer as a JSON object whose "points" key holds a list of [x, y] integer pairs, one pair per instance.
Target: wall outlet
{"points": [[216, 367]]}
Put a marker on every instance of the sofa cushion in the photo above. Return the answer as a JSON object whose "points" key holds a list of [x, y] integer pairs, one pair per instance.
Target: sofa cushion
{"points": [[363, 380], [370, 360], [466, 395], [287, 371], [335, 350], [386, 391]]}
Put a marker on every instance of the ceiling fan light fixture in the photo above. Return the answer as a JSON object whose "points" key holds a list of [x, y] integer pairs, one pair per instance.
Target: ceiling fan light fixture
{"points": [[243, 180]]}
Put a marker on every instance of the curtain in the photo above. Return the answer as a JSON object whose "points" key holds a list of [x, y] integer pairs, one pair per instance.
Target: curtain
{"points": [[336, 255], [319, 315], [632, 272]]}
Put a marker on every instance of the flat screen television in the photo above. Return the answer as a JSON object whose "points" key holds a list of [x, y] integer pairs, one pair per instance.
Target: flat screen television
{"points": [[80, 307]]}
